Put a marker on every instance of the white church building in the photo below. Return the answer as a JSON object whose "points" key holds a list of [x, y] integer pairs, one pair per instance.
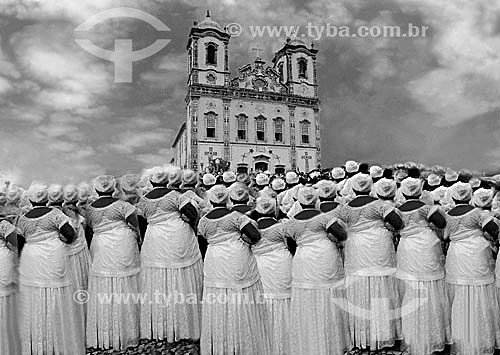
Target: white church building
{"points": [[265, 118]]}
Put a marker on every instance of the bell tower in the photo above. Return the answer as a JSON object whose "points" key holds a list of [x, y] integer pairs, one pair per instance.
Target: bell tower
{"points": [[296, 65], [208, 53]]}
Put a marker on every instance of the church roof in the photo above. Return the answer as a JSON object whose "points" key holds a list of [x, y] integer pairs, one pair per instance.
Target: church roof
{"points": [[209, 23]]}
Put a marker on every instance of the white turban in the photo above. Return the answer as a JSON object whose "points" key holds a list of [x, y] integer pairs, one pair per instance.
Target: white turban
{"points": [[218, 194], [338, 173], [278, 184], [189, 177], [451, 176], [265, 205], [239, 192], [351, 166], [433, 180], [84, 192], [461, 191], [104, 183], [262, 179], [56, 193], [411, 187], [376, 172], [385, 188], [228, 177], [13, 194], [38, 193], [291, 177], [208, 179], [326, 188], [483, 198], [361, 182], [129, 182], [307, 196], [70, 193]]}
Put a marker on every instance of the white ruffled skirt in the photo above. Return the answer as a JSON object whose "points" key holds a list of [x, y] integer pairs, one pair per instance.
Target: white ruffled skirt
{"points": [[373, 305], [278, 310], [318, 321], [10, 343], [80, 264], [475, 323], [113, 312], [48, 321], [235, 321], [173, 308], [425, 316]]}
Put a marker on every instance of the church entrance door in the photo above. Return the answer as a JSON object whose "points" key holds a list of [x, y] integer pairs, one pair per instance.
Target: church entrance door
{"points": [[261, 165]]}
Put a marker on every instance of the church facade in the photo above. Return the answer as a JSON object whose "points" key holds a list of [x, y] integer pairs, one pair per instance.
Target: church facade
{"points": [[265, 118]]}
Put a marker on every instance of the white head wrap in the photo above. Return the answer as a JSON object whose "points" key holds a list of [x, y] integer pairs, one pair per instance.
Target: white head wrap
{"points": [[84, 192], [361, 182], [174, 175], [218, 194], [483, 198], [208, 179], [385, 188], [38, 193], [278, 184], [475, 183], [265, 205], [411, 187], [433, 180], [461, 191], [70, 193], [451, 175], [351, 166], [326, 189], [338, 173], [13, 194], [376, 171], [228, 177], [307, 196], [239, 192], [104, 183], [262, 179], [189, 177], [291, 177], [129, 183], [56, 193]]}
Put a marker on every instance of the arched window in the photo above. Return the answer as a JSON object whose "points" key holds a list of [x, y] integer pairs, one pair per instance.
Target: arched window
{"points": [[278, 129], [302, 62], [211, 49], [281, 72], [260, 123], [241, 121], [211, 121], [304, 129]]}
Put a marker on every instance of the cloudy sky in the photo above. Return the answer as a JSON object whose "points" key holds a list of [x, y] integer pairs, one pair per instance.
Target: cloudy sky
{"points": [[432, 100]]}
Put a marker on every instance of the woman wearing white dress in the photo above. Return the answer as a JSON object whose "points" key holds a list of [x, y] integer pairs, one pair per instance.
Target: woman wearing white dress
{"points": [[475, 321], [171, 262], [112, 312], [48, 319], [318, 321], [79, 255], [372, 290], [274, 262], [420, 262], [234, 314], [9, 335]]}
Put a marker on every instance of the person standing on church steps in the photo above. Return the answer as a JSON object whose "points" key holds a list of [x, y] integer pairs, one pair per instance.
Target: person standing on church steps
{"points": [[235, 319], [171, 261]]}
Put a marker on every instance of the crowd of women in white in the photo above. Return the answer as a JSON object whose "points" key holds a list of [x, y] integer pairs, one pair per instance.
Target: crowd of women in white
{"points": [[352, 260]]}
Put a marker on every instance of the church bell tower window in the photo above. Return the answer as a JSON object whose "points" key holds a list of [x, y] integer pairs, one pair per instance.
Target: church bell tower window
{"points": [[302, 62], [305, 131], [211, 55], [261, 128]]}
